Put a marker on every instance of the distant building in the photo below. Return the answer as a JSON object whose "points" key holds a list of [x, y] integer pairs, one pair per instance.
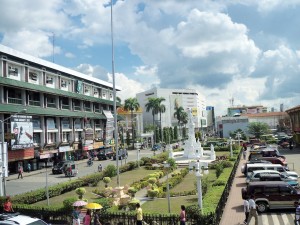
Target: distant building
{"points": [[225, 125], [276, 120], [238, 110], [294, 114], [211, 120], [187, 98]]}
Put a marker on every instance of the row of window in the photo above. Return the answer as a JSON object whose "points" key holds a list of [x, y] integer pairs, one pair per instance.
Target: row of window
{"points": [[42, 77]]}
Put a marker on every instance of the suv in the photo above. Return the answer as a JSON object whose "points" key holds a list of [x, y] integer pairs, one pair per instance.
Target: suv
{"points": [[59, 167], [17, 219], [105, 153], [272, 195]]}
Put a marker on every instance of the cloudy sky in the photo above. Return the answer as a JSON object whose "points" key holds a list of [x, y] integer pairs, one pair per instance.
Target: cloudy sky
{"points": [[248, 50]]}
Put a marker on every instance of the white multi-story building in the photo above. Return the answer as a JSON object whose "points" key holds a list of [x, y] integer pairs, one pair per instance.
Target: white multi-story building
{"points": [[186, 98]]}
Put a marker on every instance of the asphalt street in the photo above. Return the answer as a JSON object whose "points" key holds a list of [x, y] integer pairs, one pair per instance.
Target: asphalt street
{"points": [[39, 179]]}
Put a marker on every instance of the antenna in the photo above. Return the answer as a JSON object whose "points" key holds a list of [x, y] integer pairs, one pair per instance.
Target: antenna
{"points": [[231, 101]]}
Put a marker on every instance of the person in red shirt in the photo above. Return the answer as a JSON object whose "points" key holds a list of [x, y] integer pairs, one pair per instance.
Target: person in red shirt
{"points": [[7, 207]]}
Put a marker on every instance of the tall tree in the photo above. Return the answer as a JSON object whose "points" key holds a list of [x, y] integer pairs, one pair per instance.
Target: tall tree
{"points": [[152, 106], [131, 104], [161, 109], [181, 116], [258, 128]]}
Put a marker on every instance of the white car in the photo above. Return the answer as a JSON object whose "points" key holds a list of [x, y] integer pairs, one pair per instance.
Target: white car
{"points": [[16, 219], [255, 176]]}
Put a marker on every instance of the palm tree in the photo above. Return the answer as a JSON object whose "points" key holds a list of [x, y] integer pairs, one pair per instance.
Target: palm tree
{"points": [[131, 104], [152, 105], [180, 115], [161, 109]]}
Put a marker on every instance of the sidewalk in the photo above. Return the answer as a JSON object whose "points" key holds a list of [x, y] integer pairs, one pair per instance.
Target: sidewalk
{"points": [[233, 213]]}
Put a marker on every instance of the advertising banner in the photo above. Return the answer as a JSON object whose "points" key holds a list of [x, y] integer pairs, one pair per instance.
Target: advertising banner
{"points": [[22, 131], [109, 131]]}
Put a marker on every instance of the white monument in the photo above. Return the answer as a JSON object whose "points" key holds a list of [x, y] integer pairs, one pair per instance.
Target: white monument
{"points": [[192, 149]]}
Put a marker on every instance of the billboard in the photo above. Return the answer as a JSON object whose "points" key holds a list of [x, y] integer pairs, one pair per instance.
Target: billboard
{"points": [[22, 132]]}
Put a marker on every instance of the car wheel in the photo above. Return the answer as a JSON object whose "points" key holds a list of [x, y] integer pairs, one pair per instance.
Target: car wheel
{"points": [[262, 207]]}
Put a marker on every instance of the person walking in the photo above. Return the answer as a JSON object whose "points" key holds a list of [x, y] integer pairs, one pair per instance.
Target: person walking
{"points": [[244, 151], [139, 214], [28, 167], [252, 212], [75, 216], [297, 213], [20, 171], [96, 217], [87, 218], [7, 207], [246, 209], [182, 216]]}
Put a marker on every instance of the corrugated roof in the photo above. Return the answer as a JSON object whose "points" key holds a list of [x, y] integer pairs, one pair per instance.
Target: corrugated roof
{"points": [[267, 114], [296, 108]]}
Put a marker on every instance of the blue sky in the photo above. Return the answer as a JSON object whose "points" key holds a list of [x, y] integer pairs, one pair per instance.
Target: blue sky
{"points": [[242, 49]]}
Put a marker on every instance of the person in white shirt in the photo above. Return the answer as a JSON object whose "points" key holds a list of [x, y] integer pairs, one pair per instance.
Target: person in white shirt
{"points": [[246, 209], [252, 212]]}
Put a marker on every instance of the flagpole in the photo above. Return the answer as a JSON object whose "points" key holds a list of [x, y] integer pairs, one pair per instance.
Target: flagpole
{"points": [[114, 93]]}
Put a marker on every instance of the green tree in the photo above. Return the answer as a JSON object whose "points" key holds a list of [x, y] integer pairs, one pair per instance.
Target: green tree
{"points": [[171, 132], [175, 133], [258, 128], [161, 109], [131, 104]]}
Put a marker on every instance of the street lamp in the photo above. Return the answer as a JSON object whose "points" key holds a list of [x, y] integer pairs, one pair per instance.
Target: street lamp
{"points": [[4, 162], [230, 142], [198, 172], [167, 166], [238, 136], [138, 156]]}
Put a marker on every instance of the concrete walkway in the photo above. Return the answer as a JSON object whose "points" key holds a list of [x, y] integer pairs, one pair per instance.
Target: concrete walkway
{"points": [[233, 213]]}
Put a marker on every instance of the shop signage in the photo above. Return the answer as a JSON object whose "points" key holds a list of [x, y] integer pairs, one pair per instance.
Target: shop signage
{"points": [[98, 144], [20, 154], [89, 134], [64, 148]]}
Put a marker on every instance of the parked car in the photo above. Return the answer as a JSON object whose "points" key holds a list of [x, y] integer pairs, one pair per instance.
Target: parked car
{"points": [[122, 154], [105, 153], [262, 175], [272, 195], [17, 219], [59, 167], [275, 160], [254, 161]]}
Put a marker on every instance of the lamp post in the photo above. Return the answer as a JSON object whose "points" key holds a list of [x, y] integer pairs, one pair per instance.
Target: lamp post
{"points": [[138, 157], [198, 172], [3, 162], [167, 166], [238, 136], [230, 140]]}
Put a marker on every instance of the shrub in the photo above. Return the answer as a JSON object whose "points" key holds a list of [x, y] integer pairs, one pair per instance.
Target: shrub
{"points": [[226, 164], [152, 180], [219, 183], [152, 193], [132, 203], [106, 180], [80, 192], [219, 169], [110, 171], [132, 191], [68, 203]]}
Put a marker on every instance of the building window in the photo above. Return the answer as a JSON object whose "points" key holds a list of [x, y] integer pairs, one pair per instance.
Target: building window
{"points": [[33, 76], [77, 136], [51, 138], [65, 137], [13, 71], [36, 139], [49, 80]]}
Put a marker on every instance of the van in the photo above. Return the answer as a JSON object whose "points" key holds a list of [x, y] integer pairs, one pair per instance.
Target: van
{"points": [[262, 166], [266, 175], [275, 160], [271, 195]]}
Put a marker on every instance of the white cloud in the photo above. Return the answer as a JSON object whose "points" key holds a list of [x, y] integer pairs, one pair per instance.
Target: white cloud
{"points": [[69, 55]]}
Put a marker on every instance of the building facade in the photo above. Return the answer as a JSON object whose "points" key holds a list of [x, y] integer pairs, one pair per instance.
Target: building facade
{"points": [[186, 98], [238, 110], [227, 125], [294, 114], [49, 112]]}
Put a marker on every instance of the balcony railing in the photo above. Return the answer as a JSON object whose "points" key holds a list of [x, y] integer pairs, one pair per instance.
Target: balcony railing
{"points": [[77, 108], [65, 106], [98, 110], [87, 108], [14, 100], [34, 103], [51, 105]]}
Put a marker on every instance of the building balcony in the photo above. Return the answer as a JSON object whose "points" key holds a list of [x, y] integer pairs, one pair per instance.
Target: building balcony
{"points": [[77, 108], [51, 105], [34, 103], [14, 100], [87, 109], [65, 106]]}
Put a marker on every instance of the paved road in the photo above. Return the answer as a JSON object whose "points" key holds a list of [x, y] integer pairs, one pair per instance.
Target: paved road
{"points": [[37, 179], [275, 218]]}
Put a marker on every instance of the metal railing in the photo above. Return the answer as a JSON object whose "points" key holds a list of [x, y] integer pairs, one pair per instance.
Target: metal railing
{"points": [[51, 105], [14, 100], [34, 103]]}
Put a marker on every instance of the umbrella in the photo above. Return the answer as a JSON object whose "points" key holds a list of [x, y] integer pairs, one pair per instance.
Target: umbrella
{"points": [[93, 206], [79, 203]]}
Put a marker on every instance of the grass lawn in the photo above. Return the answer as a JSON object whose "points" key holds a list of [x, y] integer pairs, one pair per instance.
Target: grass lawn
{"points": [[125, 178]]}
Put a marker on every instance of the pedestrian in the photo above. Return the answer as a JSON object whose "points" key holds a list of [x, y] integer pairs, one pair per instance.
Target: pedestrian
{"points": [[7, 207], [100, 168], [252, 212], [246, 209], [75, 216], [96, 217], [87, 218], [297, 213], [244, 153], [20, 171], [139, 214], [182, 216], [28, 167]]}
